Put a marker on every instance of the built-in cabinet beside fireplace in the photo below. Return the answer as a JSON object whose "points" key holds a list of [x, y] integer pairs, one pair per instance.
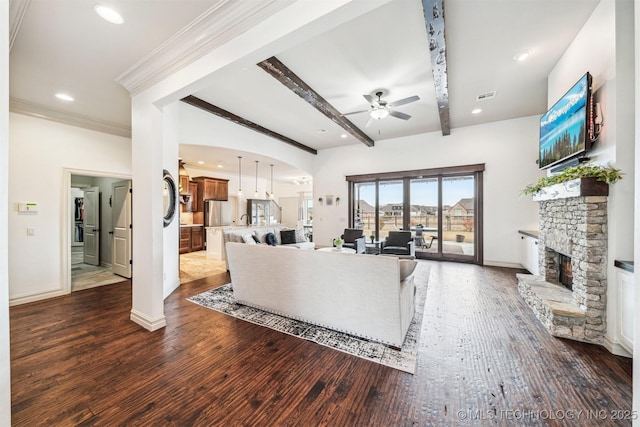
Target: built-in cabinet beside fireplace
{"points": [[626, 297], [529, 257]]}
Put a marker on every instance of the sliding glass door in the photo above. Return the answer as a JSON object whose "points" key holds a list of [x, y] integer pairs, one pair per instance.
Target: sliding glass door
{"points": [[458, 226], [442, 208], [425, 213]]}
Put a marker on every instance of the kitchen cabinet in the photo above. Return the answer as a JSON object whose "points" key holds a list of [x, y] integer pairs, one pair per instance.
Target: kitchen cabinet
{"points": [[185, 239], [197, 238], [183, 184], [212, 188], [194, 204], [189, 198], [191, 238]]}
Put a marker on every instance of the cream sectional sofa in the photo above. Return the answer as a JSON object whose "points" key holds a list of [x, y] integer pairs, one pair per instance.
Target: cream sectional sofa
{"points": [[239, 235], [362, 295]]}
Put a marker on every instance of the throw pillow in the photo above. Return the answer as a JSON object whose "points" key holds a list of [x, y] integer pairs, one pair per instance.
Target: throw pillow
{"points": [[262, 235], [288, 236], [300, 236], [406, 268], [248, 239], [271, 239]]}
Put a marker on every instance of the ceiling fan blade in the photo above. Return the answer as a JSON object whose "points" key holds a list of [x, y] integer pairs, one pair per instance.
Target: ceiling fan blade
{"points": [[354, 112], [370, 99], [404, 101], [399, 115], [369, 122]]}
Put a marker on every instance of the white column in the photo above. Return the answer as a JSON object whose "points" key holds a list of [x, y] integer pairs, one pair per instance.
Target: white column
{"points": [[5, 365], [148, 246]]}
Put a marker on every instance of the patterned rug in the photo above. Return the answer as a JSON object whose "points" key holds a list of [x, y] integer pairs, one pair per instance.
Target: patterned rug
{"points": [[221, 299]]}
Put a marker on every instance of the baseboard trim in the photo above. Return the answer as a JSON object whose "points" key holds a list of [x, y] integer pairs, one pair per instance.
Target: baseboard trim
{"points": [[616, 348], [172, 288], [24, 299], [503, 264], [146, 322]]}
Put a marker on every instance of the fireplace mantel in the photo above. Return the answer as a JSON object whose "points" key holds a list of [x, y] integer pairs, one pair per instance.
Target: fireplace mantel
{"points": [[575, 188]]}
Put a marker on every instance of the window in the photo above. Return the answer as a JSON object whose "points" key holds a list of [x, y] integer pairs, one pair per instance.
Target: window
{"points": [[442, 207]]}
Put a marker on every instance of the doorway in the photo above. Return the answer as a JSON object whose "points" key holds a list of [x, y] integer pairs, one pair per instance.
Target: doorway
{"points": [[91, 250]]}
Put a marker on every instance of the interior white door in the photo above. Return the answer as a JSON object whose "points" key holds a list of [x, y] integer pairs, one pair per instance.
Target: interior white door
{"points": [[91, 225], [121, 264]]}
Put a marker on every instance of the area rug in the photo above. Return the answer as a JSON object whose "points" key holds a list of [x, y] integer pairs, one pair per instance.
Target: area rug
{"points": [[221, 299]]}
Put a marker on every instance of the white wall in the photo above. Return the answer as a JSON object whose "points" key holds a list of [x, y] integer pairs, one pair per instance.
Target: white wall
{"points": [[5, 365], [604, 47], [198, 127], [636, 225], [508, 149], [39, 154]]}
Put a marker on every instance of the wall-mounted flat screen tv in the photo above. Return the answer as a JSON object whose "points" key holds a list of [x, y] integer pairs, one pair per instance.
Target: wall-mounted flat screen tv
{"points": [[564, 128]]}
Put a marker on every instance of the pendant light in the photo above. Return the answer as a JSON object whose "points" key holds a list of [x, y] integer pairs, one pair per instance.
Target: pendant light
{"points": [[239, 176], [271, 194], [256, 192]]}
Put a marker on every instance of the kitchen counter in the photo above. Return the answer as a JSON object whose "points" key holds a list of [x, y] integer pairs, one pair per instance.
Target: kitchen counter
{"points": [[530, 233], [625, 265], [191, 225]]}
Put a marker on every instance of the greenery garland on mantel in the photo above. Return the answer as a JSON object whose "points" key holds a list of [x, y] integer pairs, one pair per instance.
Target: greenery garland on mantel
{"points": [[606, 174]]}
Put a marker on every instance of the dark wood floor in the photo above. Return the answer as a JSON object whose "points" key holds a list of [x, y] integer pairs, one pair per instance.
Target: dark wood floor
{"points": [[483, 360]]}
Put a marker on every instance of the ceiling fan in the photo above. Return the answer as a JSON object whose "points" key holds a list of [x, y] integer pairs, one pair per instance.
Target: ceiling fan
{"points": [[381, 109]]}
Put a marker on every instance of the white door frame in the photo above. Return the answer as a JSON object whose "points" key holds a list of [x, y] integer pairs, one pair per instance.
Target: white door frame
{"points": [[65, 244]]}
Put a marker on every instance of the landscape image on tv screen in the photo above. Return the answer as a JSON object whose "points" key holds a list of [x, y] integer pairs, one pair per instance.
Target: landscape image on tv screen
{"points": [[563, 129]]}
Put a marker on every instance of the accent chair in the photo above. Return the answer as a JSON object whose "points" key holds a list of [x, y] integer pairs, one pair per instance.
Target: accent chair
{"points": [[354, 239], [399, 243]]}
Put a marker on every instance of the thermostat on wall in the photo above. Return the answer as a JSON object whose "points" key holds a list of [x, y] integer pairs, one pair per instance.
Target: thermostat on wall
{"points": [[27, 207]]}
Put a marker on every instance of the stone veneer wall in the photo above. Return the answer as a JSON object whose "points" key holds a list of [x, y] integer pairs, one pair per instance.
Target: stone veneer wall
{"points": [[577, 227]]}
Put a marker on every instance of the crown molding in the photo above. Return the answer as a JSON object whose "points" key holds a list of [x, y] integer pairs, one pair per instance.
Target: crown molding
{"points": [[17, 11], [222, 22], [21, 106]]}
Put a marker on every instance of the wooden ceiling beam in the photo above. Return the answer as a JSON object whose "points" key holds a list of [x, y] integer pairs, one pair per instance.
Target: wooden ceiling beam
{"points": [[284, 75], [434, 20], [210, 108]]}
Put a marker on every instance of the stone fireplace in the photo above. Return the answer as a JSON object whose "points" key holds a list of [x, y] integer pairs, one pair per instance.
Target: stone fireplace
{"points": [[572, 246]]}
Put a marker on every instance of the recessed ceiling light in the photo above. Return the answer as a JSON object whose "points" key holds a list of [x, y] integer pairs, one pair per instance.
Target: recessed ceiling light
{"points": [[321, 130], [476, 111], [521, 56], [64, 97], [344, 135], [220, 164], [108, 14], [200, 162]]}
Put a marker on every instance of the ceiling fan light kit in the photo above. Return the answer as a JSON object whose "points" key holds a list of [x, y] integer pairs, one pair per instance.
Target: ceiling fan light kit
{"points": [[379, 113], [381, 109]]}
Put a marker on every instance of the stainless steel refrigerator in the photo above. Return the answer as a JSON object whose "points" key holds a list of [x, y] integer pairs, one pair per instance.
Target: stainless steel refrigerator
{"points": [[217, 213]]}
